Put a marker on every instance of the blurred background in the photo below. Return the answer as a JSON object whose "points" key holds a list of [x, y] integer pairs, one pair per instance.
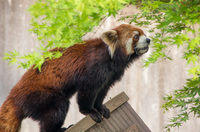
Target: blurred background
{"points": [[145, 87]]}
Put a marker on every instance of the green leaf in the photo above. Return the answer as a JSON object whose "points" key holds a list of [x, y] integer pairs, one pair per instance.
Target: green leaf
{"points": [[193, 44], [194, 71], [57, 54]]}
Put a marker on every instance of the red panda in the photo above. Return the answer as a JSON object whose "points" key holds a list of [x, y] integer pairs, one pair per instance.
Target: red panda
{"points": [[89, 69]]}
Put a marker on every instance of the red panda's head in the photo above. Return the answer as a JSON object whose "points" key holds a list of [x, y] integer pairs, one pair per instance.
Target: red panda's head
{"points": [[129, 38]]}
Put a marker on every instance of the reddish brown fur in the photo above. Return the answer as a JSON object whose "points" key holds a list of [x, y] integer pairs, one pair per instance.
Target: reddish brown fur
{"points": [[87, 68], [124, 32], [50, 82], [9, 121]]}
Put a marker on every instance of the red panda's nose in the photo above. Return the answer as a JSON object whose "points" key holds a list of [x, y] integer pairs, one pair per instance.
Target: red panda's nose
{"points": [[148, 40]]}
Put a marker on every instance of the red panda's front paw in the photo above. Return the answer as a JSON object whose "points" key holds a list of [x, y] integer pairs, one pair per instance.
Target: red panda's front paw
{"points": [[93, 113], [106, 112], [96, 116]]}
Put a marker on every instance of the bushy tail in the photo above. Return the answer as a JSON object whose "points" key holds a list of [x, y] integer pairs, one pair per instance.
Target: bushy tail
{"points": [[10, 120]]}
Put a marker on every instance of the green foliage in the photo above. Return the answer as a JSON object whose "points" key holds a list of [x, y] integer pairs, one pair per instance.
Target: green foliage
{"points": [[187, 99], [175, 23], [61, 23]]}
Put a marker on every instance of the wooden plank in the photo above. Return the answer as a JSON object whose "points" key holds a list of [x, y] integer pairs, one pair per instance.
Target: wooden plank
{"points": [[82, 125], [106, 126], [117, 121], [109, 123], [114, 124], [119, 116], [132, 128], [131, 117], [87, 122], [117, 101], [101, 126], [95, 129], [125, 117], [136, 116]]}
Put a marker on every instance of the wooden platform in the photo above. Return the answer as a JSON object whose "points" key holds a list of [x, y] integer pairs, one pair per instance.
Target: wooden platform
{"points": [[122, 119]]}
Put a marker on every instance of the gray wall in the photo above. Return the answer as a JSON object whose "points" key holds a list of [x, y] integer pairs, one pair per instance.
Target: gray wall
{"points": [[145, 87], [14, 23]]}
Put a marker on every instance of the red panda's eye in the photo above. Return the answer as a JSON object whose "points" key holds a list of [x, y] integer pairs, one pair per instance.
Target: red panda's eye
{"points": [[136, 37]]}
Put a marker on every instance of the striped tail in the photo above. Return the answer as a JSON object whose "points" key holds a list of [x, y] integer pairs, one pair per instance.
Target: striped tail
{"points": [[10, 120]]}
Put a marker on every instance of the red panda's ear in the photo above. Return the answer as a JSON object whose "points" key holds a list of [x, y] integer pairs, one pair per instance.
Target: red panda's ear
{"points": [[110, 38]]}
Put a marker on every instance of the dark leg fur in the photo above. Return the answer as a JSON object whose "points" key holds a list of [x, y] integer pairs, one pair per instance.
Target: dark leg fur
{"points": [[86, 105], [52, 120], [99, 103]]}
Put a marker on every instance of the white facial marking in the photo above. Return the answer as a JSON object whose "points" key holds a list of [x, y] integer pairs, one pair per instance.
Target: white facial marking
{"points": [[129, 47], [142, 45], [136, 32], [142, 42]]}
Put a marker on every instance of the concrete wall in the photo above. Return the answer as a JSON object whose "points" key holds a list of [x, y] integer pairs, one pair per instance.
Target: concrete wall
{"points": [[145, 87]]}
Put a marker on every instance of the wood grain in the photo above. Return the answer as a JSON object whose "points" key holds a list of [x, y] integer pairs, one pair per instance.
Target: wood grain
{"points": [[87, 122], [132, 128]]}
